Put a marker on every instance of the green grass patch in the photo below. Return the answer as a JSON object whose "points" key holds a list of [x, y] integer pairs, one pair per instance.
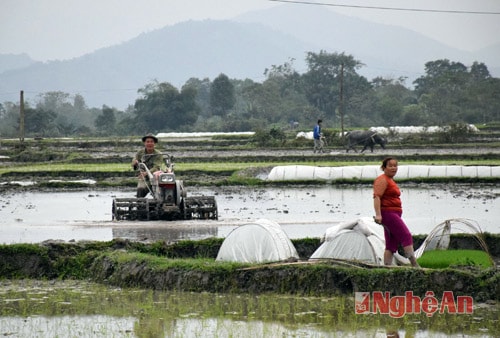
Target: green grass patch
{"points": [[212, 166], [441, 259], [64, 167], [162, 263]]}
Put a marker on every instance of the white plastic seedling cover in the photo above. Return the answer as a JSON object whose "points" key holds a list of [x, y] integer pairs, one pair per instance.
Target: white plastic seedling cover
{"points": [[359, 240], [363, 240], [304, 172], [259, 242], [439, 237]]}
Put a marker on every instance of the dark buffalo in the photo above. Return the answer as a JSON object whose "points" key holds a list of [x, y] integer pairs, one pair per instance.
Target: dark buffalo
{"points": [[366, 138]]}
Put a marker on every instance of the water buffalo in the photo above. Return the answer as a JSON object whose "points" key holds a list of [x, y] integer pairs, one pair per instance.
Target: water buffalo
{"points": [[366, 138]]}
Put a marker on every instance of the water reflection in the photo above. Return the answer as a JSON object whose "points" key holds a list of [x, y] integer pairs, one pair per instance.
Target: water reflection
{"points": [[75, 308], [109, 326], [168, 234], [303, 211], [68, 326]]}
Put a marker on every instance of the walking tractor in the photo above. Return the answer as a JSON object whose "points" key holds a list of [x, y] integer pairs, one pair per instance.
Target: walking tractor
{"points": [[169, 199]]}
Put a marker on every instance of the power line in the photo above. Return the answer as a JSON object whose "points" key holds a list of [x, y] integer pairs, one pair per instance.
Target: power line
{"points": [[388, 8]]}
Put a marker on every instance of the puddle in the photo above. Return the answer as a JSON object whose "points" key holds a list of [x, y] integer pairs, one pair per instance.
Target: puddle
{"points": [[305, 211]]}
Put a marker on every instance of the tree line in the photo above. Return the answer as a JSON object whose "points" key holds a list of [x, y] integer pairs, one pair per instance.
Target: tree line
{"points": [[331, 89]]}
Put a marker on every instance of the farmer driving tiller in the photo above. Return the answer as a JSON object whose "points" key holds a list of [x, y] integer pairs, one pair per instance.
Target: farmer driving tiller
{"points": [[169, 201]]}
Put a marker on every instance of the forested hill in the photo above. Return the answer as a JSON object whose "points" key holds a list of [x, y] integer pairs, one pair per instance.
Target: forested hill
{"points": [[173, 54], [242, 48]]}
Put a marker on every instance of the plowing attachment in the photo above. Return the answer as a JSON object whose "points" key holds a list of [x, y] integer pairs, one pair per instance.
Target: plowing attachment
{"points": [[169, 200]]}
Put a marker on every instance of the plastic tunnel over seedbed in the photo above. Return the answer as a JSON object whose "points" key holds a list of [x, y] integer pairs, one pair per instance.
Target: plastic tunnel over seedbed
{"points": [[302, 172]]}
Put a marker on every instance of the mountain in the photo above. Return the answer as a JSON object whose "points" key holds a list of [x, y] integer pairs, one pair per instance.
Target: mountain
{"points": [[14, 61], [241, 48], [174, 54], [384, 49]]}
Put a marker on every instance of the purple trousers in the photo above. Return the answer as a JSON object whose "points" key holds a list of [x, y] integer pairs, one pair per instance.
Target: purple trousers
{"points": [[395, 230]]}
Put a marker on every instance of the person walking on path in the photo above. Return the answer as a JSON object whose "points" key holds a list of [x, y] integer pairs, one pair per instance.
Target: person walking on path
{"points": [[318, 144], [152, 158], [388, 212]]}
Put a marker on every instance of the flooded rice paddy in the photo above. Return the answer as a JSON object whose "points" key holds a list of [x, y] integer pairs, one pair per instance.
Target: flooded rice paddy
{"points": [[80, 309], [305, 211]]}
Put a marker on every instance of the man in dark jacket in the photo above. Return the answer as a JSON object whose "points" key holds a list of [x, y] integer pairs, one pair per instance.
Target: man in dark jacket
{"points": [[152, 158]]}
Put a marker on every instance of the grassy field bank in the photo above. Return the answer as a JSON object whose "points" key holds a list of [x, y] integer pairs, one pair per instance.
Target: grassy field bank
{"points": [[191, 266]]}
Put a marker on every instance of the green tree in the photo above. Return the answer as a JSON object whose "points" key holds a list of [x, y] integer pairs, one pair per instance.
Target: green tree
{"points": [[415, 115], [263, 101], [443, 90], [38, 122], [79, 103], [53, 101], [390, 98], [242, 116], [292, 103], [479, 72], [222, 97], [71, 112], [287, 77], [125, 122], [358, 101], [9, 120], [202, 88], [106, 121], [326, 73], [163, 107], [482, 103]]}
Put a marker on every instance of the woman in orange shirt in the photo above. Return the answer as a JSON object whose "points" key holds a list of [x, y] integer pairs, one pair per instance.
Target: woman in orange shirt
{"points": [[388, 211]]}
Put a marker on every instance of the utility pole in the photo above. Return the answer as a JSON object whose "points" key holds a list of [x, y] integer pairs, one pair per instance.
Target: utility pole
{"points": [[341, 105], [21, 117]]}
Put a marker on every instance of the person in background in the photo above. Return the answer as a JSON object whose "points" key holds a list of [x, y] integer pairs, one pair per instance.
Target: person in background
{"points": [[388, 212], [152, 158], [318, 145]]}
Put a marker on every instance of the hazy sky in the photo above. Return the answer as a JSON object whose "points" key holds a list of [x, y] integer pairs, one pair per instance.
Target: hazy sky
{"points": [[63, 29]]}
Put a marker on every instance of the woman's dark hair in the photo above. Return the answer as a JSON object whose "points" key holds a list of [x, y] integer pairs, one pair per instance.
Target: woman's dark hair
{"points": [[386, 160]]}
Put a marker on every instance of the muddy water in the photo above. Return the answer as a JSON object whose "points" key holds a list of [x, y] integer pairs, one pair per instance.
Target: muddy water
{"points": [[304, 211], [79, 309]]}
